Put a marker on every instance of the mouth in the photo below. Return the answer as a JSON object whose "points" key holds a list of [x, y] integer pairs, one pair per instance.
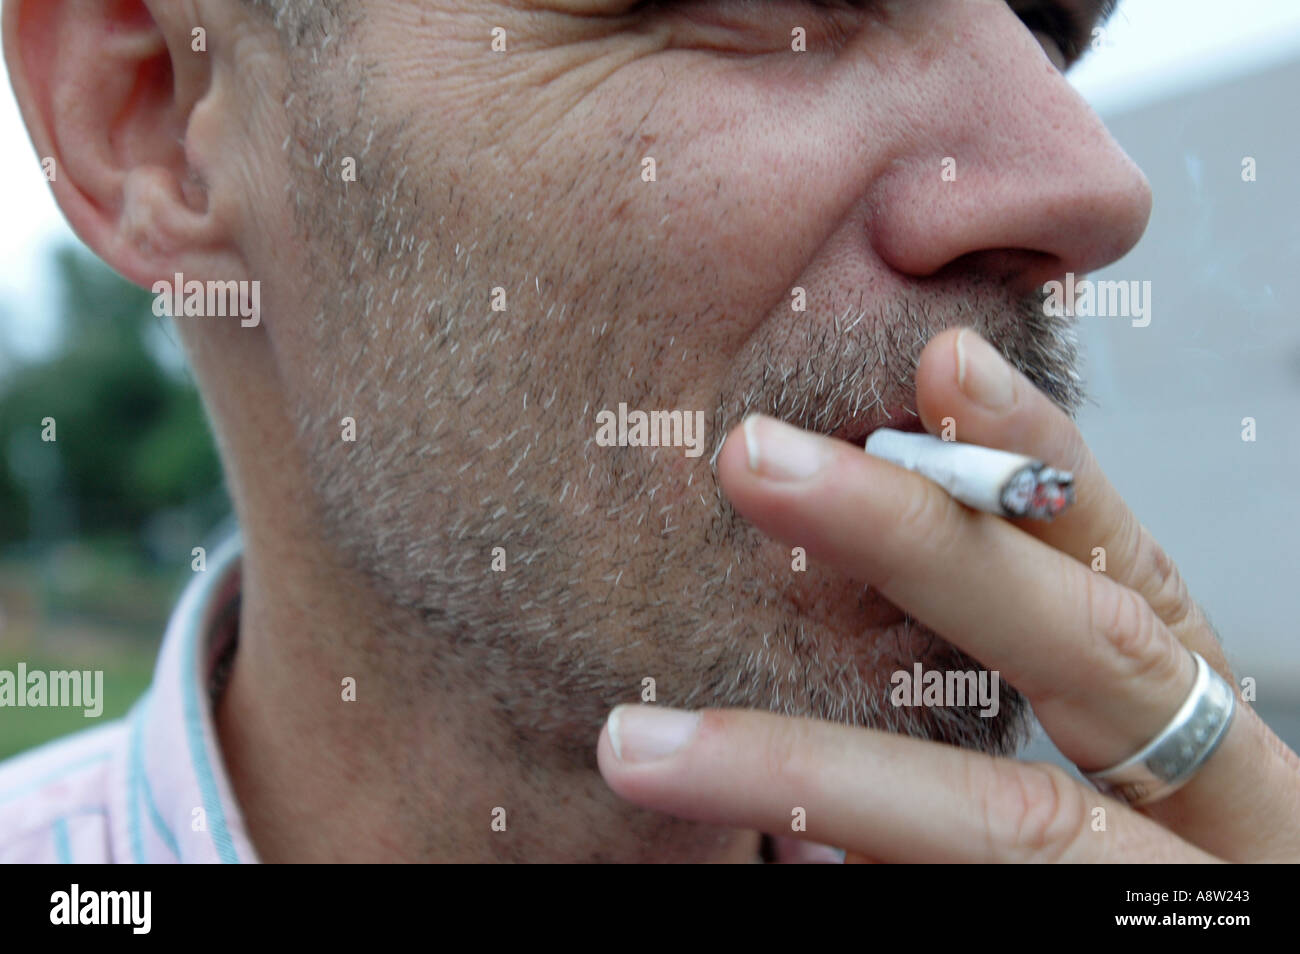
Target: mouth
{"points": [[899, 418]]}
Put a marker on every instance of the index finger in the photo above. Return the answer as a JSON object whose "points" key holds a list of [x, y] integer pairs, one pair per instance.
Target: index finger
{"points": [[889, 797], [993, 404]]}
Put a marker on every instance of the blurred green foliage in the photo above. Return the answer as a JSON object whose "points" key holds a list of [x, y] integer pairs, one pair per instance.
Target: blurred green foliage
{"points": [[126, 677], [131, 436], [96, 526]]}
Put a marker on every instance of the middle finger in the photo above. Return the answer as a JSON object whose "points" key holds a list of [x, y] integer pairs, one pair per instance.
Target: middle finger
{"points": [[1103, 672]]}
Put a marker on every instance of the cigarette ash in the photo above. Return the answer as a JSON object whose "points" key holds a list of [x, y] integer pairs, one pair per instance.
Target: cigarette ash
{"points": [[1039, 492]]}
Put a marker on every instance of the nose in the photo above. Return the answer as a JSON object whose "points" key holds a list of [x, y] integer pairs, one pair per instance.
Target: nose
{"points": [[1004, 163]]}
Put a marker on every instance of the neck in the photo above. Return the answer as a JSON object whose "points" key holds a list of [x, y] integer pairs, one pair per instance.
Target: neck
{"points": [[422, 766]]}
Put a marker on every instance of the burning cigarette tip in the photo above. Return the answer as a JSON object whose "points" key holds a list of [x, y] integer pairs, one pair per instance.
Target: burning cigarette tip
{"points": [[1038, 492], [994, 481]]}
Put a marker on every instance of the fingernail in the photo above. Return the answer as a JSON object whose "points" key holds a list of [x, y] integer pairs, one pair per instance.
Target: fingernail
{"points": [[778, 451], [648, 733], [982, 374]]}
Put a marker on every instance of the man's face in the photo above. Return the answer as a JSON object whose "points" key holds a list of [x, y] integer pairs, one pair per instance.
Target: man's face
{"points": [[521, 178]]}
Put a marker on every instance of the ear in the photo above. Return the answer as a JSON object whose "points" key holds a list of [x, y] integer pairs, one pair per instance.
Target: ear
{"points": [[108, 89]]}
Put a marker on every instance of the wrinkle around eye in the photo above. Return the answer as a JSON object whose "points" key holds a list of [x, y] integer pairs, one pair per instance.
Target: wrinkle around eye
{"points": [[757, 26]]}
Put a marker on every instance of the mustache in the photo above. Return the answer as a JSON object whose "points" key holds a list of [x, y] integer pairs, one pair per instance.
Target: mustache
{"points": [[832, 375]]}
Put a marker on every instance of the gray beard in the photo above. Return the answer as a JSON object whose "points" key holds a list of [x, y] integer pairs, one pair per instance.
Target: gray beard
{"points": [[617, 571], [603, 589]]}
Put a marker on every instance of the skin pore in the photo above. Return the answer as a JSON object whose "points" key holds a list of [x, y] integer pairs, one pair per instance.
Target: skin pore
{"points": [[522, 171]]}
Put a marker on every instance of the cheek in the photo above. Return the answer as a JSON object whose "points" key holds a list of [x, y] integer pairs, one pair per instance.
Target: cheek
{"points": [[653, 184], [698, 184]]}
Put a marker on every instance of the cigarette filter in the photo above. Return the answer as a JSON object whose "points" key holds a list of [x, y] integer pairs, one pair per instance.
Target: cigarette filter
{"points": [[994, 481]]}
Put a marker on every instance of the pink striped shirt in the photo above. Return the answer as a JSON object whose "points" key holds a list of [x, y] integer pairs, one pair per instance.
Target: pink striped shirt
{"points": [[149, 787]]}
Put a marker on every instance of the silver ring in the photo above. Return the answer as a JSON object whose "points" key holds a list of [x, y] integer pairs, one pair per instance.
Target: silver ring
{"points": [[1169, 760]]}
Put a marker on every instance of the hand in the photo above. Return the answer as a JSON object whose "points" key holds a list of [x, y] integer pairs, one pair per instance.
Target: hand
{"points": [[1100, 655]]}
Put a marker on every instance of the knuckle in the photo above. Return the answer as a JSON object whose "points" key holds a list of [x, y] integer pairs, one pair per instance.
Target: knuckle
{"points": [[1033, 812], [785, 752], [1153, 573], [1162, 585], [931, 520], [1141, 646]]}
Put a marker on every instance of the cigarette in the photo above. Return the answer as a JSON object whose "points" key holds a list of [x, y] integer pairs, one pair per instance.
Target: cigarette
{"points": [[994, 481]]}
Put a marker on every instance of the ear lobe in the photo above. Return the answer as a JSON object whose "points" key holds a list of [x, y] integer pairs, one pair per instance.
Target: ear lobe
{"points": [[105, 97]]}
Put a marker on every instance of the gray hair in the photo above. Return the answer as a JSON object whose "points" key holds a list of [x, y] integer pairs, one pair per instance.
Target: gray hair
{"points": [[304, 23]]}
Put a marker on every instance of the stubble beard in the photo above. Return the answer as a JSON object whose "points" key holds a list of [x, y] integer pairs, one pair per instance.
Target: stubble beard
{"points": [[619, 566]]}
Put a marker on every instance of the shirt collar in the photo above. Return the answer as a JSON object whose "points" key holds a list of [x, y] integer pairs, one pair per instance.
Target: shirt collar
{"points": [[176, 756], [181, 804]]}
